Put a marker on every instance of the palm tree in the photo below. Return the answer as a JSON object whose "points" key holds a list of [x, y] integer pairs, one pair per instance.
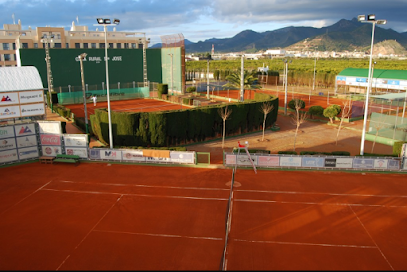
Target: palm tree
{"points": [[249, 81]]}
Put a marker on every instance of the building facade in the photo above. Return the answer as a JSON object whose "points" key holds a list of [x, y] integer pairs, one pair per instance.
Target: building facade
{"points": [[12, 37]]}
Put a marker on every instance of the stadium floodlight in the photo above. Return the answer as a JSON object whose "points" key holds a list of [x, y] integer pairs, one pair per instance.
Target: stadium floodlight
{"points": [[371, 18], [105, 23], [47, 40]]}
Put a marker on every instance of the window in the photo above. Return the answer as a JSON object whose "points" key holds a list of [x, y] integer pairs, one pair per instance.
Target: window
{"points": [[35, 45], [126, 45], [58, 36], [133, 45], [77, 45], [15, 57], [119, 45], [93, 45], [57, 45], [6, 46], [14, 46], [85, 45], [67, 45], [25, 45], [140, 45], [101, 45], [110, 45], [7, 57]]}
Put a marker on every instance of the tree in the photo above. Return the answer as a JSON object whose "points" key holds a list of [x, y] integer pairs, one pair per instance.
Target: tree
{"points": [[316, 110], [347, 106], [249, 80], [297, 118], [293, 103], [224, 114], [331, 112], [266, 108]]}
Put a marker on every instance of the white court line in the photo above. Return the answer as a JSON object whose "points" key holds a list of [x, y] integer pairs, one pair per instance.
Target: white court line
{"points": [[69, 255], [41, 188], [142, 195], [320, 203], [304, 244], [161, 235], [371, 238], [143, 185], [318, 193]]}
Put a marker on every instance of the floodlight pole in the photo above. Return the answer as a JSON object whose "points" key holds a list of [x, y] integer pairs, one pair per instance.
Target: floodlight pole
{"points": [[242, 79], [45, 39], [370, 19], [172, 88], [81, 58], [207, 81], [105, 23]]}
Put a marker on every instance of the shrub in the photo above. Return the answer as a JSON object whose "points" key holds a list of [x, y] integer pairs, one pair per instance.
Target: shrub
{"points": [[191, 89], [162, 89], [316, 110], [287, 152], [291, 104], [397, 146], [340, 153], [331, 112]]}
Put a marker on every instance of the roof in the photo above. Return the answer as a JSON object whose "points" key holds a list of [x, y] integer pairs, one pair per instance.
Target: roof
{"points": [[19, 79], [377, 73], [391, 96]]}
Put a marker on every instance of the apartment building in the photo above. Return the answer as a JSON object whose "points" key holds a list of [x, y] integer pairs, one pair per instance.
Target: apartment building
{"points": [[12, 36]]}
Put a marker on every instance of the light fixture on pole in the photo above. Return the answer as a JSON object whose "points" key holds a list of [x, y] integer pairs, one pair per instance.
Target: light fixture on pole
{"points": [[47, 40], [371, 18], [105, 23], [285, 84], [81, 58]]}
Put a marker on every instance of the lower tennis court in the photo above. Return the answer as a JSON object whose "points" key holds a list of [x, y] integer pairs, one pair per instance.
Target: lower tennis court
{"points": [[101, 216]]}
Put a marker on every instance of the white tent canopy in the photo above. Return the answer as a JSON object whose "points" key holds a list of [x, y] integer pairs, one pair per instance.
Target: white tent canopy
{"points": [[19, 79]]}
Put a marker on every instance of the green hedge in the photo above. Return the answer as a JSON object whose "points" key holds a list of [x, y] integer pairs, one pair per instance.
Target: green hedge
{"points": [[62, 111], [288, 152], [397, 147]]}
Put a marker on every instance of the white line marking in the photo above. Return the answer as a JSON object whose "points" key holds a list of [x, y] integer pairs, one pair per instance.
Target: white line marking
{"points": [[162, 235], [303, 244], [111, 207], [371, 238]]}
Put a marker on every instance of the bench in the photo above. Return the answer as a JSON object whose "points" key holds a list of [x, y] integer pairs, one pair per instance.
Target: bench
{"points": [[66, 158], [46, 159]]}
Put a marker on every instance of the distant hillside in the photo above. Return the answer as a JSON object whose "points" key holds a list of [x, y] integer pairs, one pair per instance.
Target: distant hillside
{"points": [[344, 35]]}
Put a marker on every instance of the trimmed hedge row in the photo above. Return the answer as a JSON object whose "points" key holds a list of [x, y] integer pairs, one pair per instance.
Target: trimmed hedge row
{"points": [[176, 127]]}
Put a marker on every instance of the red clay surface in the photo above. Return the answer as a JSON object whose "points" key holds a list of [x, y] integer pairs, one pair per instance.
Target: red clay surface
{"points": [[100, 216]]}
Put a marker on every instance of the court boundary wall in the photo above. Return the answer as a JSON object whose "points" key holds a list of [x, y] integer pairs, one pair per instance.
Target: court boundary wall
{"points": [[315, 162]]}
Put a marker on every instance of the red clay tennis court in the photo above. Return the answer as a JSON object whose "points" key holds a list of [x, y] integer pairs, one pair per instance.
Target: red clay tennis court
{"points": [[101, 216]]}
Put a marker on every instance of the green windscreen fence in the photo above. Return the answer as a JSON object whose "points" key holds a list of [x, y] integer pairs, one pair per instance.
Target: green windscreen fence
{"points": [[66, 98], [388, 126], [171, 68]]}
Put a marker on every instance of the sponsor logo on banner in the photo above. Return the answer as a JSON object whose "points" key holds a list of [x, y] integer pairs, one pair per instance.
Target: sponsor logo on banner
{"points": [[32, 109], [51, 150], [394, 164], [47, 139], [182, 157], [230, 159], [344, 162], [7, 132], [50, 127], [28, 153], [8, 156], [9, 98], [330, 162], [110, 154], [9, 112], [363, 163], [245, 160], [76, 140], [405, 164], [25, 129], [27, 141], [133, 155], [380, 163], [94, 154], [81, 152], [9, 143], [31, 97], [312, 162], [290, 161], [153, 159], [268, 161]]}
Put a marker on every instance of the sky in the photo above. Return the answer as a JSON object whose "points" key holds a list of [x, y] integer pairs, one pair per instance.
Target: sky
{"points": [[199, 20]]}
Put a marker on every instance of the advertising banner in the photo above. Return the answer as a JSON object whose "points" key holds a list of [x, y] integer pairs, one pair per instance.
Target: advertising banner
{"points": [[8, 143], [28, 153], [133, 155], [344, 162], [313, 162], [81, 152], [8, 156], [9, 112], [268, 161], [110, 154], [50, 127], [230, 159], [380, 163], [9, 99], [290, 161], [363, 163], [27, 141], [405, 164], [157, 159], [25, 129], [49, 139], [31, 97], [76, 140], [394, 164], [94, 154], [32, 109], [245, 160], [330, 162], [182, 157], [51, 151], [7, 132]]}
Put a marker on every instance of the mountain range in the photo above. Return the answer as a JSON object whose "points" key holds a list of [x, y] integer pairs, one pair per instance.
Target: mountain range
{"points": [[345, 35]]}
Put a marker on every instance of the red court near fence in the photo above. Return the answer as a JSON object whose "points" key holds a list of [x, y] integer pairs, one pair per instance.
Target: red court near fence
{"points": [[101, 216]]}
